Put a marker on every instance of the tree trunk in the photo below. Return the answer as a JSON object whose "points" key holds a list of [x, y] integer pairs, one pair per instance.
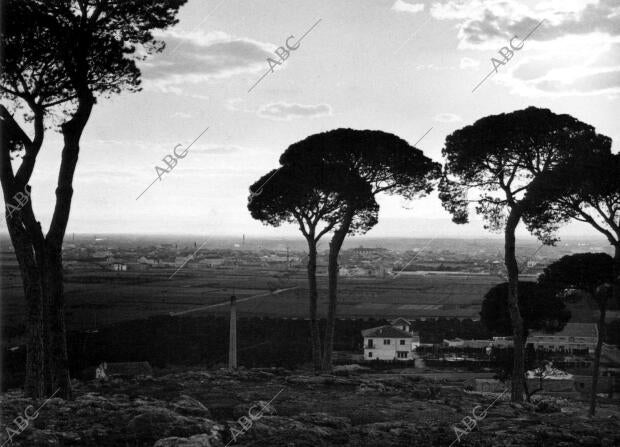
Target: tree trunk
{"points": [[334, 251], [28, 241], [313, 295], [41, 270], [40, 258], [616, 272], [28, 258], [513, 305], [602, 302], [58, 377]]}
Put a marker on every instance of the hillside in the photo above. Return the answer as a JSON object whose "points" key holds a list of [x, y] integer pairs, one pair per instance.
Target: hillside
{"points": [[199, 408]]}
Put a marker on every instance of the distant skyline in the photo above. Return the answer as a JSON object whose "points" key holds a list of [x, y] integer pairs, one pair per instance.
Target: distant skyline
{"points": [[399, 66]]}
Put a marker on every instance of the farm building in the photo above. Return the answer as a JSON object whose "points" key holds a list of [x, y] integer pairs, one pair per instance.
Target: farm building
{"points": [[574, 337], [395, 341], [461, 343]]}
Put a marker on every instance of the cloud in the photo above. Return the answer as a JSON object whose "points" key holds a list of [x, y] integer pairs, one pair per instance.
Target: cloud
{"points": [[447, 118], [559, 52], [215, 149], [402, 6], [198, 57], [467, 63], [594, 72], [237, 105], [183, 115], [433, 67], [286, 111]]}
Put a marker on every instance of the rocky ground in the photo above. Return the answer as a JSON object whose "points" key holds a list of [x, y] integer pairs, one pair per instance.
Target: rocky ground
{"points": [[213, 408]]}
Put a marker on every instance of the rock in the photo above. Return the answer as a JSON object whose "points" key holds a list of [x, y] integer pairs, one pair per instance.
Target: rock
{"points": [[202, 440], [353, 367], [95, 433], [187, 376], [260, 406], [325, 420], [36, 437], [157, 423], [545, 406], [421, 393], [188, 406], [307, 380], [366, 387], [276, 430]]}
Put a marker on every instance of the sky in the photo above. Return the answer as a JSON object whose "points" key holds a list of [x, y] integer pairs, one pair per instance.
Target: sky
{"points": [[399, 66]]}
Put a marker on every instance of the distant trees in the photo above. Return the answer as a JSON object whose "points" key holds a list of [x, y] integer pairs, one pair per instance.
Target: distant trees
{"points": [[493, 163], [540, 308], [58, 57], [385, 162], [594, 274]]}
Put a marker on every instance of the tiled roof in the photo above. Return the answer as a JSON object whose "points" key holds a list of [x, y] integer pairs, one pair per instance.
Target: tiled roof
{"points": [[398, 320], [386, 332]]}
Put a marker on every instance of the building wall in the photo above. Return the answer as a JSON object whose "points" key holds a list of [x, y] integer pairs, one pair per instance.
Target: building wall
{"points": [[382, 351], [550, 343]]}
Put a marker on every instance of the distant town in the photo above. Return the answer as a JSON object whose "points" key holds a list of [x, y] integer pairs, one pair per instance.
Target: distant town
{"points": [[377, 258]]}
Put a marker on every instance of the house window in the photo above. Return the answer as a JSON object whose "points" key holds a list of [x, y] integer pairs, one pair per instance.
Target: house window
{"points": [[402, 342], [370, 343], [386, 341], [369, 354], [402, 354]]}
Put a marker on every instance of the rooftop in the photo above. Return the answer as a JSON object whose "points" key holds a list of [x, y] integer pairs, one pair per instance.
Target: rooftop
{"points": [[386, 332]]}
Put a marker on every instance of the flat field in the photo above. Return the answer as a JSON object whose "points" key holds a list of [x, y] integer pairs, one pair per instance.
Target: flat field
{"points": [[95, 297]]}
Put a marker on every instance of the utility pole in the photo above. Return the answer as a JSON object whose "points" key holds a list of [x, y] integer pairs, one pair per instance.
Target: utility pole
{"points": [[232, 342]]}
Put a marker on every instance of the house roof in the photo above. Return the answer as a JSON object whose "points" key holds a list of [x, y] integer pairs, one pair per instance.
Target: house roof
{"points": [[386, 332], [399, 320], [573, 330]]}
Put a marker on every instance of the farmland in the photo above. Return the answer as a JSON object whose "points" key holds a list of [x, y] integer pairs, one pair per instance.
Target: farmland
{"points": [[97, 298]]}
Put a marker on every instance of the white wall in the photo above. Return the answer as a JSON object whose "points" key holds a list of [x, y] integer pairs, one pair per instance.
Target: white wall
{"points": [[387, 352]]}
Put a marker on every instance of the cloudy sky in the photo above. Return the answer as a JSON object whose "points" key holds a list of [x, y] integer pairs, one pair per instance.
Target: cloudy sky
{"points": [[402, 66]]}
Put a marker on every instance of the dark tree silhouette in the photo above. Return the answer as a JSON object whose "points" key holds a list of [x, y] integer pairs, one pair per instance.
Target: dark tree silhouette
{"points": [[59, 55], [493, 164], [387, 163], [586, 189], [540, 308], [594, 274], [315, 198]]}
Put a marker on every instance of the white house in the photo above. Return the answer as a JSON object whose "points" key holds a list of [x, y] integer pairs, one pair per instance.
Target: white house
{"points": [[118, 267], [148, 261], [391, 342]]}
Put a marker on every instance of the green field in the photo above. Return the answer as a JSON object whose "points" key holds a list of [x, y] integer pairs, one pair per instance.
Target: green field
{"points": [[97, 297]]}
